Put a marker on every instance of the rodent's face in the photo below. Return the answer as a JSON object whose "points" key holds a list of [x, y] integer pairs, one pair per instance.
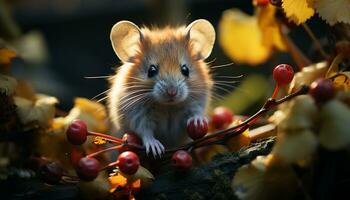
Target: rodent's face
{"points": [[167, 67]]}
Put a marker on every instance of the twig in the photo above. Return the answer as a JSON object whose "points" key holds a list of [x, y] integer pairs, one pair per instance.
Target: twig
{"points": [[315, 40]]}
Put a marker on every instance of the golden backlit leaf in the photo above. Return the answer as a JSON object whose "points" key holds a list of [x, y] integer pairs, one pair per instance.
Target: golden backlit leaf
{"points": [[6, 55], [333, 11], [342, 81], [241, 38], [116, 181], [271, 34], [99, 140], [298, 10], [93, 113]]}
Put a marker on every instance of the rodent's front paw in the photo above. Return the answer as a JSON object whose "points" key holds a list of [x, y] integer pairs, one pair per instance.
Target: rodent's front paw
{"points": [[198, 120], [153, 145]]}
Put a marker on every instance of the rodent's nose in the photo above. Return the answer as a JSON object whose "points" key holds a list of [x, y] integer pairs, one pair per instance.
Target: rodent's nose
{"points": [[171, 91]]}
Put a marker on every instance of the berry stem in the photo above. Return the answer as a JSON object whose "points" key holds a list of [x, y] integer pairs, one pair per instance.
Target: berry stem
{"points": [[103, 151], [112, 164], [106, 137], [275, 91]]}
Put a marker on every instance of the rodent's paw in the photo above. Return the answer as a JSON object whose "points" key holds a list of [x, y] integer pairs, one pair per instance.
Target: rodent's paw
{"points": [[198, 120], [153, 145]]}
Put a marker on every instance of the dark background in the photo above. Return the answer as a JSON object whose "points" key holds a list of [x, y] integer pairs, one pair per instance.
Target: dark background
{"points": [[76, 34]]}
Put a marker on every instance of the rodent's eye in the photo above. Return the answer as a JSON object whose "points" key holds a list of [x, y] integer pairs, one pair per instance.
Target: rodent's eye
{"points": [[184, 70], [152, 71]]}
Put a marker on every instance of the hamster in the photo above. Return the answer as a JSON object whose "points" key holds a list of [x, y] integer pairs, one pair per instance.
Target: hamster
{"points": [[163, 84]]}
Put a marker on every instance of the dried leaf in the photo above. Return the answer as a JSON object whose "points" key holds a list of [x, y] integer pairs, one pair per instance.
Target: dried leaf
{"points": [[265, 178], [295, 145], [116, 181], [7, 85], [42, 110], [335, 120], [342, 81], [333, 11], [298, 10], [241, 38], [308, 74], [99, 140], [93, 113], [6, 55], [299, 114]]}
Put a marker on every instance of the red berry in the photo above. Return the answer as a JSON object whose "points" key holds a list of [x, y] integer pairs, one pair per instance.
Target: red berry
{"points": [[128, 162], [260, 2], [75, 156], [88, 168], [221, 117], [182, 160], [322, 90], [77, 132], [199, 131], [131, 137], [51, 173], [35, 163], [283, 74]]}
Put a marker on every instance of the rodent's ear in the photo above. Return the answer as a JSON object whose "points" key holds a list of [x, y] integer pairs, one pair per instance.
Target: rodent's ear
{"points": [[202, 36], [125, 37]]}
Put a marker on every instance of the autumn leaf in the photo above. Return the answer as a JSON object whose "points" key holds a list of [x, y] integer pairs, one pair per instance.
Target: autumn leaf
{"points": [[6, 55], [7, 85], [298, 10], [241, 38], [116, 181], [41, 110], [333, 11], [271, 34], [99, 140]]}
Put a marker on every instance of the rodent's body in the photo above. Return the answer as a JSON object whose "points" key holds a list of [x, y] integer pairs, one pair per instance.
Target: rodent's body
{"points": [[163, 84]]}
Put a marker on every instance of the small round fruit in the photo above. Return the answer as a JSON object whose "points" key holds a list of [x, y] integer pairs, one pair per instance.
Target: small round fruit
{"points": [[77, 132], [88, 168], [131, 137], [199, 131], [322, 90], [128, 162], [182, 160], [51, 173], [261, 2], [283, 74], [221, 117]]}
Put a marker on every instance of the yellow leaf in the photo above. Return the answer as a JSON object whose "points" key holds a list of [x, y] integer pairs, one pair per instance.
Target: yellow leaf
{"points": [[41, 110], [6, 56], [116, 181], [93, 113], [99, 140], [270, 29], [136, 184], [342, 81], [298, 10], [241, 38], [333, 11]]}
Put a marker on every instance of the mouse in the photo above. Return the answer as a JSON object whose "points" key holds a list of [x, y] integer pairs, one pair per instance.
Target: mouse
{"points": [[163, 83]]}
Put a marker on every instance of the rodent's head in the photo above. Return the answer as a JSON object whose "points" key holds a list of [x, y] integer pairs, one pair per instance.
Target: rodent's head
{"points": [[167, 63]]}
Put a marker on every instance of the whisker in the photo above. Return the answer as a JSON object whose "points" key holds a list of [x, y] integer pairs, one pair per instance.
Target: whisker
{"points": [[222, 88], [233, 77], [97, 77], [220, 66], [102, 99], [104, 92]]}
